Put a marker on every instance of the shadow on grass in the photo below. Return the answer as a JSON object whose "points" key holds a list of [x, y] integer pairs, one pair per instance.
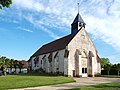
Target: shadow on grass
{"points": [[110, 76], [109, 86], [38, 74]]}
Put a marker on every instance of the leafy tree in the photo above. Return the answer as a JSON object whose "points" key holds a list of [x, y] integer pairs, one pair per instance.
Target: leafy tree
{"points": [[1, 62], [117, 67], [20, 65], [5, 3], [11, 64], [107, 67], [4, 63], [104, 61], [15, 65]]}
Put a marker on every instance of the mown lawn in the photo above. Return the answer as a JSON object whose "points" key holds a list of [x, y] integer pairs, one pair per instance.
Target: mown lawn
{"points": [[110, 86], [110, 76], [31, 80]]}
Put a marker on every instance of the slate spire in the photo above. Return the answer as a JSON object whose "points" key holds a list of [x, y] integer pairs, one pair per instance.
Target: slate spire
{"points": [[77, 24], [77, 19]]}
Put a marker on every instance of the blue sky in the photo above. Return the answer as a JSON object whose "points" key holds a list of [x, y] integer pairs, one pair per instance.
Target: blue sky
{"points": [[29, 24]]}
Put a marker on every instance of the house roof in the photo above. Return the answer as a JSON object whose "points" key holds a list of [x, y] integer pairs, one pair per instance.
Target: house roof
{"points": [[25, 64], [54, 46]]}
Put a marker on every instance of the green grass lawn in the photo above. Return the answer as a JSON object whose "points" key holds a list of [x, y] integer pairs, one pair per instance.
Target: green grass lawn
{"points": [[110, 76], [31, 80], [110, 86]]}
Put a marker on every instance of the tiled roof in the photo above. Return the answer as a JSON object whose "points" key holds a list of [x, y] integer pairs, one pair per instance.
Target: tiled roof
{"points": [[54, 46], [25, 64]]}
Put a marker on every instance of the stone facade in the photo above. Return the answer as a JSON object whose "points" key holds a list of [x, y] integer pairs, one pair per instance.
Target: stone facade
{"points": [[73, 55], [82, 56]]}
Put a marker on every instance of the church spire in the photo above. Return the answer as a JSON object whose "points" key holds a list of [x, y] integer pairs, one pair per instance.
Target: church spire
{"points": [[79, 19], [77, 24]]}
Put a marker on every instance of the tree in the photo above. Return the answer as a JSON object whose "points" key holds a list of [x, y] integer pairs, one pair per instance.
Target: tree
{"points": [[15, 65], [20, 65], [4, 63], [117, 67], [5, 3], [104, 61], [107, 67], [1, 62], [11, 64]]}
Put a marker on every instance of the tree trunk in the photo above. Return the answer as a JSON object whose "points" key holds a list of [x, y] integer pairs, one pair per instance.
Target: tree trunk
{"points": [[10, 70], [15, 70], [108, 72], [118, 72], [20, 70], [5, 72]]}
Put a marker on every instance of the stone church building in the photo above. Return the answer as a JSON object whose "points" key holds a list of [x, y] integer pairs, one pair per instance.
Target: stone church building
{"points": [[72, 55]]}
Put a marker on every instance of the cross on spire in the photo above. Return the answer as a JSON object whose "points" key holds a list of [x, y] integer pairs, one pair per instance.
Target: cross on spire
{"points": [[78, 7], [78, 23]]}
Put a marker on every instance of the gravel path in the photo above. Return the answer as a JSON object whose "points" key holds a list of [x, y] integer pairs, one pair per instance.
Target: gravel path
{"points": [[79, 82]]}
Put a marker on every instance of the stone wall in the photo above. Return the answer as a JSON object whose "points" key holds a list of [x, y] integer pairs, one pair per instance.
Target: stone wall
{"points": [[81, 42]]}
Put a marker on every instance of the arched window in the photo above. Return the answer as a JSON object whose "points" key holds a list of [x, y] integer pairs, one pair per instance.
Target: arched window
{"points": [[84, 54], [36, 60]]}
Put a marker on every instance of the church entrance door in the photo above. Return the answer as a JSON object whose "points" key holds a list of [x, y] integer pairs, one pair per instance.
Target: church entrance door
{"points": [[84, 72]]}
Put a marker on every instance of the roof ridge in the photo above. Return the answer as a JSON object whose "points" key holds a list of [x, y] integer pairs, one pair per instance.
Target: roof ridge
{"points": [[57, 39], [55, 45]]}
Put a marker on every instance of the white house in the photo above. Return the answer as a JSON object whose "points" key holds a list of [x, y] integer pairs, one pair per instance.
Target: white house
{"points": [[24, 69], [72, 55]]}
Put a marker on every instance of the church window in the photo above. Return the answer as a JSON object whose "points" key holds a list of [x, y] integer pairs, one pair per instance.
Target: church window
{"points": [[56, 55], [43, 56], [84, 55], [66, 53], [84, 70], [57, 68], [41, 61], [36, 60]]}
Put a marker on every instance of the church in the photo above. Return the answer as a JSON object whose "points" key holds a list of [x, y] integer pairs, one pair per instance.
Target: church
{"points": [[73, 55]]}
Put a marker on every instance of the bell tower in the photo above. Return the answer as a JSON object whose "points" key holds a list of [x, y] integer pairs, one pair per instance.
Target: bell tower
{"points": [[77, 24]]}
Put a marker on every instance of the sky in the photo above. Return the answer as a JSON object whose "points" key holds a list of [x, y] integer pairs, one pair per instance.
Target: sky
{"points": [[29, 24]]}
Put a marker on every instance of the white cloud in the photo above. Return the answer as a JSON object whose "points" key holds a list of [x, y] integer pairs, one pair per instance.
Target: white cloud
{"points": [[24, 29], [102, 17], [106, 27], [39, 24], [27, 30], [29, 4]]}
